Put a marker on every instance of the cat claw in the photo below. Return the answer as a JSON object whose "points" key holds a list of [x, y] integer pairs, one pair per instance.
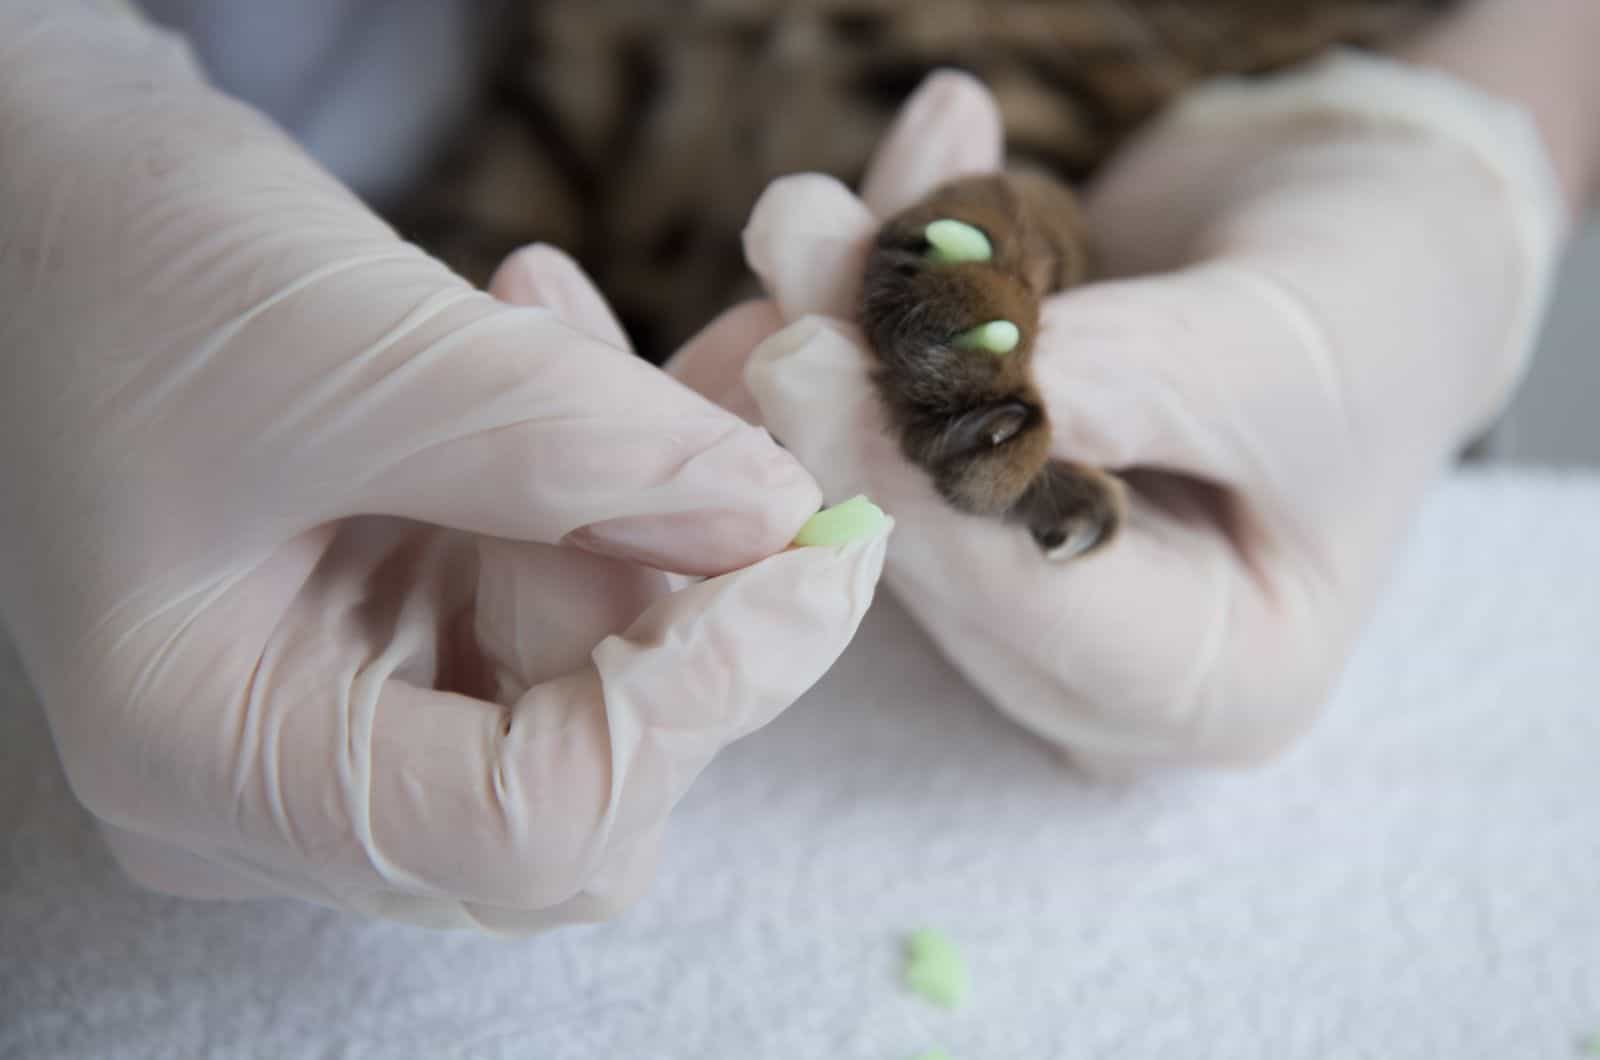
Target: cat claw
{"points": [[987, 428], [1070, 540]]}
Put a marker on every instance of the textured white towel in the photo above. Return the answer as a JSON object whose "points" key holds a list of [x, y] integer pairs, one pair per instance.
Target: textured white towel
{"points": [[1421, 879]]}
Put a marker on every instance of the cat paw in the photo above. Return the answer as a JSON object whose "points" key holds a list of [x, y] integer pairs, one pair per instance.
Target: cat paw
{"points": [[950, 306]]}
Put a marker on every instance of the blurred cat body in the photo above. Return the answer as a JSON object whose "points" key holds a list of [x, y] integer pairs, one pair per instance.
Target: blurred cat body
{"points": [[637, 134]]}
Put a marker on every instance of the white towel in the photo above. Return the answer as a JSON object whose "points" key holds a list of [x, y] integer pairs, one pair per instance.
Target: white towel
{"points": [[1420, 879]]}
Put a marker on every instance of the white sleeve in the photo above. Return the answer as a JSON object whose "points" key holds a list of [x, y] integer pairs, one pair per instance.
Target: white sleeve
{"points": [[369, 87]]}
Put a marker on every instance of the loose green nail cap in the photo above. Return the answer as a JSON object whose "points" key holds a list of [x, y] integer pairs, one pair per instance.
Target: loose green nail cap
{"points": [[850, 521], [934, 969], [951, 242], [997, 336]]}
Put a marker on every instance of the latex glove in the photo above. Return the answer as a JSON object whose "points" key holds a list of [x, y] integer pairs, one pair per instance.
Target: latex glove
{"points": [[339, 579], [1344, 267]]}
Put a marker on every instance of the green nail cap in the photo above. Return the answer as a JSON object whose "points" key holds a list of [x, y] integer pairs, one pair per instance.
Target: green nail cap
{"points": [[997, 337], [951, 242], [852, 520], [934, 969]]}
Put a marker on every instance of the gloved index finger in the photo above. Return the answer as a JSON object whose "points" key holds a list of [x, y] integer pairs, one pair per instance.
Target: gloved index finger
{"points": [[512, 424]]}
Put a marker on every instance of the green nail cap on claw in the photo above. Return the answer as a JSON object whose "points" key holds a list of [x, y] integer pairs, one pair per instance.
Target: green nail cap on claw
{"points": [[951, 242], [997, 337], [852, 520], [934, 968]]}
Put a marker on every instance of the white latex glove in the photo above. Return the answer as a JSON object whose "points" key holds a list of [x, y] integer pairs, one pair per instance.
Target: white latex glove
{"points": [[337, 578], [1344, 267]]}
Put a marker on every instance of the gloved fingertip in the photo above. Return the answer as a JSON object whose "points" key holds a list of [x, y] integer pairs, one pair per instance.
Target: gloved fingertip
{"points": [[949, 127], [543, 275], [807, 239]]}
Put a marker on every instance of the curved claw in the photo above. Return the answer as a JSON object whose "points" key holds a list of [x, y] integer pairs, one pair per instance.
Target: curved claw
{"points": [[986, 428]]}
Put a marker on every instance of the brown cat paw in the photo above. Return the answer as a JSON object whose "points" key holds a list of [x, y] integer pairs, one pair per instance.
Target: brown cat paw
{"points": [[950, 306]]}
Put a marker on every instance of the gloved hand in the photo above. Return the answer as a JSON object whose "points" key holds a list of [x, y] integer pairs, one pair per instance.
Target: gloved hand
{"points": [[339, 579], [1315, 288]]}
